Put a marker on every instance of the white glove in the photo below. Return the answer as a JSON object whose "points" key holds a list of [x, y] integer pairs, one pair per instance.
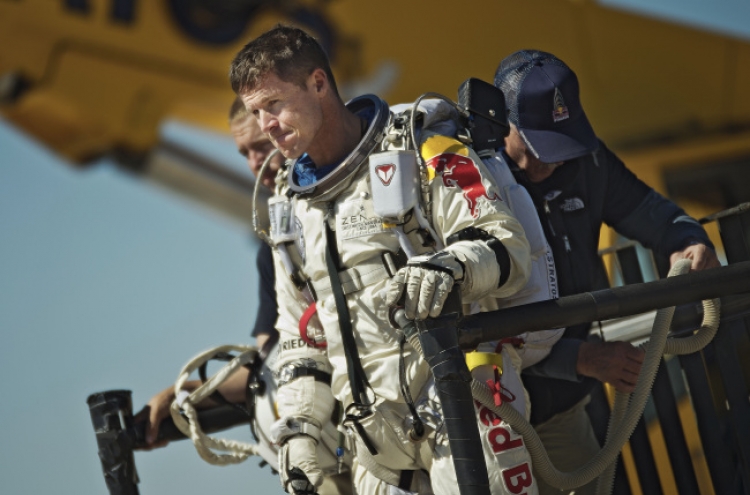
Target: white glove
{"points": [[425, 282], [298, 466]]}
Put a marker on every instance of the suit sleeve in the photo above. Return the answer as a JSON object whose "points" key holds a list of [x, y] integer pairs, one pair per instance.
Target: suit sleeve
{"points": [[465, 195], [304, 397]]}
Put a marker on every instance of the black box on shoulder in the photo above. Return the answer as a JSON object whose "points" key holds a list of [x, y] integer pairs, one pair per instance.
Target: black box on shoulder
{"points": [[488, 117]]}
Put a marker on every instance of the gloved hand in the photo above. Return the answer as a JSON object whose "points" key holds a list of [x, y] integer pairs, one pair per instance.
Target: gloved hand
{"points": [[298, 466], [425, 282]]}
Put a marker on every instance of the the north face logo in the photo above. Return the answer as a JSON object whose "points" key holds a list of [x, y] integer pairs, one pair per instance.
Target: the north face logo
{"points": [[572, 204], [385, 173]]}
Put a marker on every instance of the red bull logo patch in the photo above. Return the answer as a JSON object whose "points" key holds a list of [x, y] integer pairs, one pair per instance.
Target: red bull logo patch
{"points": [[560, 110], [450, 159]]}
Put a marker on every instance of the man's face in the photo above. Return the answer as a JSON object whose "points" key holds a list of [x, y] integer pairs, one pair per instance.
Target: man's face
{"points": [[255, 147], [516, 149], [291, 116]]}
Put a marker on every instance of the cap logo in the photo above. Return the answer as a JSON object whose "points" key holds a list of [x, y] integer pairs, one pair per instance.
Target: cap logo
{"points": [[560, 111]]}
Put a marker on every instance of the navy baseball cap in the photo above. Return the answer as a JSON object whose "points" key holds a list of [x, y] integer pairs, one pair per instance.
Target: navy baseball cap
{"points": [[542, 97]]}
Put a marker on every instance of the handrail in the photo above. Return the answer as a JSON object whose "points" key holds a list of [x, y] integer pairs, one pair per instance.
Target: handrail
{"points": [[604, 304]]}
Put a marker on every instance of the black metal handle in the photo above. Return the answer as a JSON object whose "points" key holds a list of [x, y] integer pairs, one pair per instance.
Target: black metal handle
{"points": [[112, 417], [211, 420], [604, 304], [439, 340], [117, 434]]}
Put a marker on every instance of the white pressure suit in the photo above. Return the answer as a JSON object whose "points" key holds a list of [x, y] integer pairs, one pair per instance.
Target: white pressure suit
{"points": [[462, 195]]}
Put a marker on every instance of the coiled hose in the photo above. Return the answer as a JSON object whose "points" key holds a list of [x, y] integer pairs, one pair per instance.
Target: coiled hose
{"points": [[627, 409], [260, 231]]}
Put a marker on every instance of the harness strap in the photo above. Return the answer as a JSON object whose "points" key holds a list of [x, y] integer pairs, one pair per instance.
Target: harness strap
{"points": [[357, 377], [289, 373], [379, 471], [404, 481], [368, 272], [401, 479]]}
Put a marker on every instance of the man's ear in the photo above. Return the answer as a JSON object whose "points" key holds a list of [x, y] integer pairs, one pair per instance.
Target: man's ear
{"points": [[318, 82]]}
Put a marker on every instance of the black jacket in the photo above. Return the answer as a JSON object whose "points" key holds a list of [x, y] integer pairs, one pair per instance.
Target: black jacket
{"points": [[572, 205], [268, 310]]}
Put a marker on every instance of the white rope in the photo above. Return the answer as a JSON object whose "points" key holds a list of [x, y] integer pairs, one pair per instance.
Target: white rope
{"points": [[189, 425]]}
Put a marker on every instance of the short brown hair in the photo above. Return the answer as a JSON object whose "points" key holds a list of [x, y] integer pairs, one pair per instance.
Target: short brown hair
{"points": [[289, 52]]}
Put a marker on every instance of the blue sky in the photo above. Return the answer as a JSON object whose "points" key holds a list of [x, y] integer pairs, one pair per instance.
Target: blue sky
{"points": [[728, 17], [107, 282]]}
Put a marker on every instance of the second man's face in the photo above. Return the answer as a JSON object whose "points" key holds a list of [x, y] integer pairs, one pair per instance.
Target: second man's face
{"points": [[517, 150], [291, 116], [255, 147]]}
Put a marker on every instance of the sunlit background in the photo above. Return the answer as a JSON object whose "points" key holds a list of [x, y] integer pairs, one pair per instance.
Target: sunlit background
{"points": [[108, 281]]}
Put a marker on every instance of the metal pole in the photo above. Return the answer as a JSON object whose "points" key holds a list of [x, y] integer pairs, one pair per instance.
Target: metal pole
{"points": [[438, 339], [604, 304]]}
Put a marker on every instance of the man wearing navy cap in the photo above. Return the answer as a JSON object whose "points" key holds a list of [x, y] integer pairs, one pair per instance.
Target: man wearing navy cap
{"points": [[577, 184]]}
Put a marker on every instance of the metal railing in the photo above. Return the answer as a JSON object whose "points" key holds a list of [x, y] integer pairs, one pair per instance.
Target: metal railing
{"points": [[694, 437]]}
